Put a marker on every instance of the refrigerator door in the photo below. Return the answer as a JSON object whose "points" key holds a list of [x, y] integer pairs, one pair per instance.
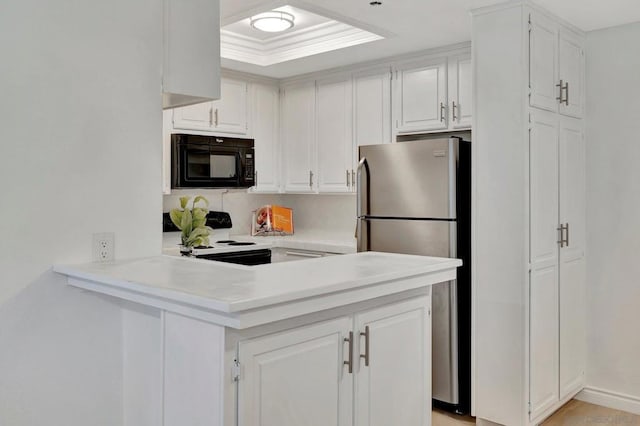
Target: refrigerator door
{"points": [[426, 238], [414, 179]]}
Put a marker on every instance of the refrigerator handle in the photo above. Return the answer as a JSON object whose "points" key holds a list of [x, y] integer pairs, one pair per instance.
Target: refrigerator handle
{"points": [[362, 171], [361, 167]]}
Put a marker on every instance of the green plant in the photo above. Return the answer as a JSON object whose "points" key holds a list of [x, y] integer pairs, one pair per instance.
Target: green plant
{"points": [[192, 222]]}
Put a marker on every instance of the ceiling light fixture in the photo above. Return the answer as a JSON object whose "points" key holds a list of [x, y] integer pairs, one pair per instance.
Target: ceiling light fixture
{"points": [[272, 22]]}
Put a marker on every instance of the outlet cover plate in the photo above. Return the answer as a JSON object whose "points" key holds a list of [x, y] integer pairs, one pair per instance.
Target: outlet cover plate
{"points": [[104, 247]]}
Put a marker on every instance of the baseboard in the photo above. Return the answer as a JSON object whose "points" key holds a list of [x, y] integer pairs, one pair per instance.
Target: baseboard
{"points": [[610, 399]]}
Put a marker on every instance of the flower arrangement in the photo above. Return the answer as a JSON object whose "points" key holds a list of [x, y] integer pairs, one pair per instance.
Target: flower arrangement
{"points": [[192, 222]]}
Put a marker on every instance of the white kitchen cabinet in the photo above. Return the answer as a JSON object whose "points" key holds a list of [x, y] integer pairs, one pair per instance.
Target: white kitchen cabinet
{"points": [[334, 135], [372, 107], [556, 76], [543, 68], [191, 47], [297, 377], [538, 156], [543, 252], [265, 106], [392, 378], [460, 93], [420, 96], [298, 137], [434, 95], [369, 369], [571, 73], [572, 300], [229, 115], [557, 302]]}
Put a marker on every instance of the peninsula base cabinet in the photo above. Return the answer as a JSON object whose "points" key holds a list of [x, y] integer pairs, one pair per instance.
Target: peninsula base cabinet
{"points": [[371, 368], [365, 364]]}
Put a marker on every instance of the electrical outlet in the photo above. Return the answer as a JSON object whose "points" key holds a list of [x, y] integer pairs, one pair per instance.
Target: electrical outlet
{"points": [[104, 247]]}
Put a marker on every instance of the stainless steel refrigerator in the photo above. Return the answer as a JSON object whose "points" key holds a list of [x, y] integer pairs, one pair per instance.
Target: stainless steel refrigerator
{"points": [[415, 197]]}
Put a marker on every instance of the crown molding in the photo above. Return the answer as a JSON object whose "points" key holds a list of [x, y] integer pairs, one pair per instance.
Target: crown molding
{"points": [[310, 41]]}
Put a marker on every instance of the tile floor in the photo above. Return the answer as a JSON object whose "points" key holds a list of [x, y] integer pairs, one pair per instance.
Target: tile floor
{"points": [[574, 413]]}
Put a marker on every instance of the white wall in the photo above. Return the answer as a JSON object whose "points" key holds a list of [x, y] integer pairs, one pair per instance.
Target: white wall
{"points": [[613, 209], [80, 152]]}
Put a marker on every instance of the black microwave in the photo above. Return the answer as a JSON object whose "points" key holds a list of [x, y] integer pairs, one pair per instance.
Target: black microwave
{"points": [[211, 162]]}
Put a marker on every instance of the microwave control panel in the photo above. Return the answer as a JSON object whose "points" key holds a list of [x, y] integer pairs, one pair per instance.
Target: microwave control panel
{"points": [[249, 167]]}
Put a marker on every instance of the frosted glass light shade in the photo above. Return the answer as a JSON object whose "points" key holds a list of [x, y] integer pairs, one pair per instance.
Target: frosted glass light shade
{"points": [[272, 22]]}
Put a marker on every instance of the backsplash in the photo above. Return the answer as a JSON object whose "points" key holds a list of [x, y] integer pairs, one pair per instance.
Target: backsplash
{"points": [[331, 214]]}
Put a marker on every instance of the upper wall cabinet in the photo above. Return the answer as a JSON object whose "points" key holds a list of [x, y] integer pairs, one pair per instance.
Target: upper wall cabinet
{"points": [[229, 115], [334, 135], [191, 42], [265, 107], [372, 107], [420, 93], [433, 95], [298, 137], [556, 77], [460, 92]]}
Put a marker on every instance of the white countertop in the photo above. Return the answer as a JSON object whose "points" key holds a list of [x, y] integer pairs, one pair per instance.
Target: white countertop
{"points": [[229, 290]]}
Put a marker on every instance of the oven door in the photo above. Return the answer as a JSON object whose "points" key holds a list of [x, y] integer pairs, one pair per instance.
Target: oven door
{"points": [[206, 166]]}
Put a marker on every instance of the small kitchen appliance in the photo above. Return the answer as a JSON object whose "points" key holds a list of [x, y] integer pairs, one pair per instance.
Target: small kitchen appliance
{"points": [[211, 162]]}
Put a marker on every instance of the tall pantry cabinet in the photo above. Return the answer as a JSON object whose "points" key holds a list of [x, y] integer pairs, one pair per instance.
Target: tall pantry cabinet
{"points": [[529, 137]]}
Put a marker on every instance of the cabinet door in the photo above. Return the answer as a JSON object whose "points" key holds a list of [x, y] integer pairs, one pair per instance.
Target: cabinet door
{"points": [[543, 282], [572, 263], [334, 110], [372, 108], [395, 387], [194, 117], [460, 93], [543, 68], [230, 112], [297, 377], [571, 66], [191, 41], [421, 93], [266, 105], [298, 132]]}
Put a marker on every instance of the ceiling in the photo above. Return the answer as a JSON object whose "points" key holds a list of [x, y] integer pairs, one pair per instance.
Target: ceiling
{"points": [[410, 25]]}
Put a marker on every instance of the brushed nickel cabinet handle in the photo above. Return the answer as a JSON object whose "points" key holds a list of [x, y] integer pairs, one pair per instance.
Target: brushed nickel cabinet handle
{"points": [[353, 178], [310, 179], [442, 111], [348, 181], [561, 86], [566, 227], [211, 116], [566, 98], [561, 231], [216, 117], [453, 109], [349, 361], [366, 346]]}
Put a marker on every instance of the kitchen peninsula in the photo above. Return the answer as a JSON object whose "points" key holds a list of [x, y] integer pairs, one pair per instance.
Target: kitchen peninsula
{"points": [[316, 342]]}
